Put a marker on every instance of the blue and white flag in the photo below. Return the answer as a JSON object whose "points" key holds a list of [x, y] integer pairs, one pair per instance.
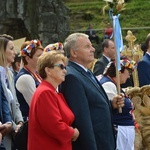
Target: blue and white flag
{"points": [[117, 39]]}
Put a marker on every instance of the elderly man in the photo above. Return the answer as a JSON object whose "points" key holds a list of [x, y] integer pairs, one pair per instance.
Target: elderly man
{"points": [[87, 98]]}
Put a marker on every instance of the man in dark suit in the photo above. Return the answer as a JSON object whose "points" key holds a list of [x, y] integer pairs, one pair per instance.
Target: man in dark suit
{"points": [[143, 66], [5, 116], [108, 50], [86, 97]]}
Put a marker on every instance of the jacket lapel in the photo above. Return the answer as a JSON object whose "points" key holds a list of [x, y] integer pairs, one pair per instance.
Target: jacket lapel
{"points": [[84, 73]]}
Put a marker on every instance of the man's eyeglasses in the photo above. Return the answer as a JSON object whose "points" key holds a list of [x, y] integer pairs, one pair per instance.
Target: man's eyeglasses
{"points": [[61, 66]]}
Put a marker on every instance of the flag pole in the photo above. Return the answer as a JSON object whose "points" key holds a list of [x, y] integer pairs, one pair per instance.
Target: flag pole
{"points": [[115, 7], [118, 81], [118, 45]]}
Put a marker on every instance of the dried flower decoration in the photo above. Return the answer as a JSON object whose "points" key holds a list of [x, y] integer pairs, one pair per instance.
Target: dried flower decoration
{"points": [[27, 50], [115, 6]]}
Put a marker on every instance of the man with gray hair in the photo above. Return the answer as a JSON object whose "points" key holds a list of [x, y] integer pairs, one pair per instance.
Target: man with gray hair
{"points": [[86, 97]]}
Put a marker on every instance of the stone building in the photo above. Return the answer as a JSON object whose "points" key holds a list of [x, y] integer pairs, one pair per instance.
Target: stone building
{"points": [[34, 19]]}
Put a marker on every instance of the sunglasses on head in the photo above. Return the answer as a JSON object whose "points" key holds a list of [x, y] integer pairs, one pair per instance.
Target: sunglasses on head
{"points": [[61, 66]]}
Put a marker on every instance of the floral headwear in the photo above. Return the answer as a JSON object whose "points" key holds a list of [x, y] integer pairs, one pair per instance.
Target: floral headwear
{"points": [[129, 64], [56, 46], [28, 49]]}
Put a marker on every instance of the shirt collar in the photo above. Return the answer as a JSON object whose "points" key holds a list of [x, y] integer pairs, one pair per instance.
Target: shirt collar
{"points": [[81, 66], [107, 58], [148, 53]]}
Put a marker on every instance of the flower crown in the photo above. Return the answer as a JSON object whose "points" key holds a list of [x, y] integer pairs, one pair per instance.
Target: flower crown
{"points": [[27, 50], [55, 46], [130, 64]]}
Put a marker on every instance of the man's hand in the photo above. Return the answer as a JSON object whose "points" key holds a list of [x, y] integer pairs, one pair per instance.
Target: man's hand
{"points": [[5, 128], [76, 134], [118, 101]]}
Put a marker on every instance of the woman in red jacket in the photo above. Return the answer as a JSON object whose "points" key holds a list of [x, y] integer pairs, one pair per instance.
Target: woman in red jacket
{"points": [[50, 118]]}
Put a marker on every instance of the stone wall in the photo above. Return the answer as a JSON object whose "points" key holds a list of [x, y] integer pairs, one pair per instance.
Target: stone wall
{"points": [[34, 19]]}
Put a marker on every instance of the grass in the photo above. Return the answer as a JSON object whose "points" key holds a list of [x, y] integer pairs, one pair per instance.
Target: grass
{"points": [[136, 15]]}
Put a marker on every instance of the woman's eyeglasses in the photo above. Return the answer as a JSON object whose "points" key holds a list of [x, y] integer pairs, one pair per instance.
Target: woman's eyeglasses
{"points": [[61, 66]]}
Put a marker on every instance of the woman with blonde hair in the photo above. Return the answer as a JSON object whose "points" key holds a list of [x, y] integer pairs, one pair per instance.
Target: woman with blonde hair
{"points": [[50, 118], [7, 55]]}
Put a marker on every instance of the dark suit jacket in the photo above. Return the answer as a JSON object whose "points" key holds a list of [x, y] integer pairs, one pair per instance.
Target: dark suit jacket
{"points": [[91, 108], [143, 69], [100, 66], [5, 115]]}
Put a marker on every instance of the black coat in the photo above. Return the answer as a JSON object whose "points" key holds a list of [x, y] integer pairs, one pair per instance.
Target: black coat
{"points": [[100, 65]]}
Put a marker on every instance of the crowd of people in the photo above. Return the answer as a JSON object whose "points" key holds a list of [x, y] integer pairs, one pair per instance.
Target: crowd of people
{"points": [[67, 106]]}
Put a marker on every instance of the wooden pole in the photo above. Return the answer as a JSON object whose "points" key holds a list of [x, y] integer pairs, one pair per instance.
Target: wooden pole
{"points": [[116, 60], [118, 83]]}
